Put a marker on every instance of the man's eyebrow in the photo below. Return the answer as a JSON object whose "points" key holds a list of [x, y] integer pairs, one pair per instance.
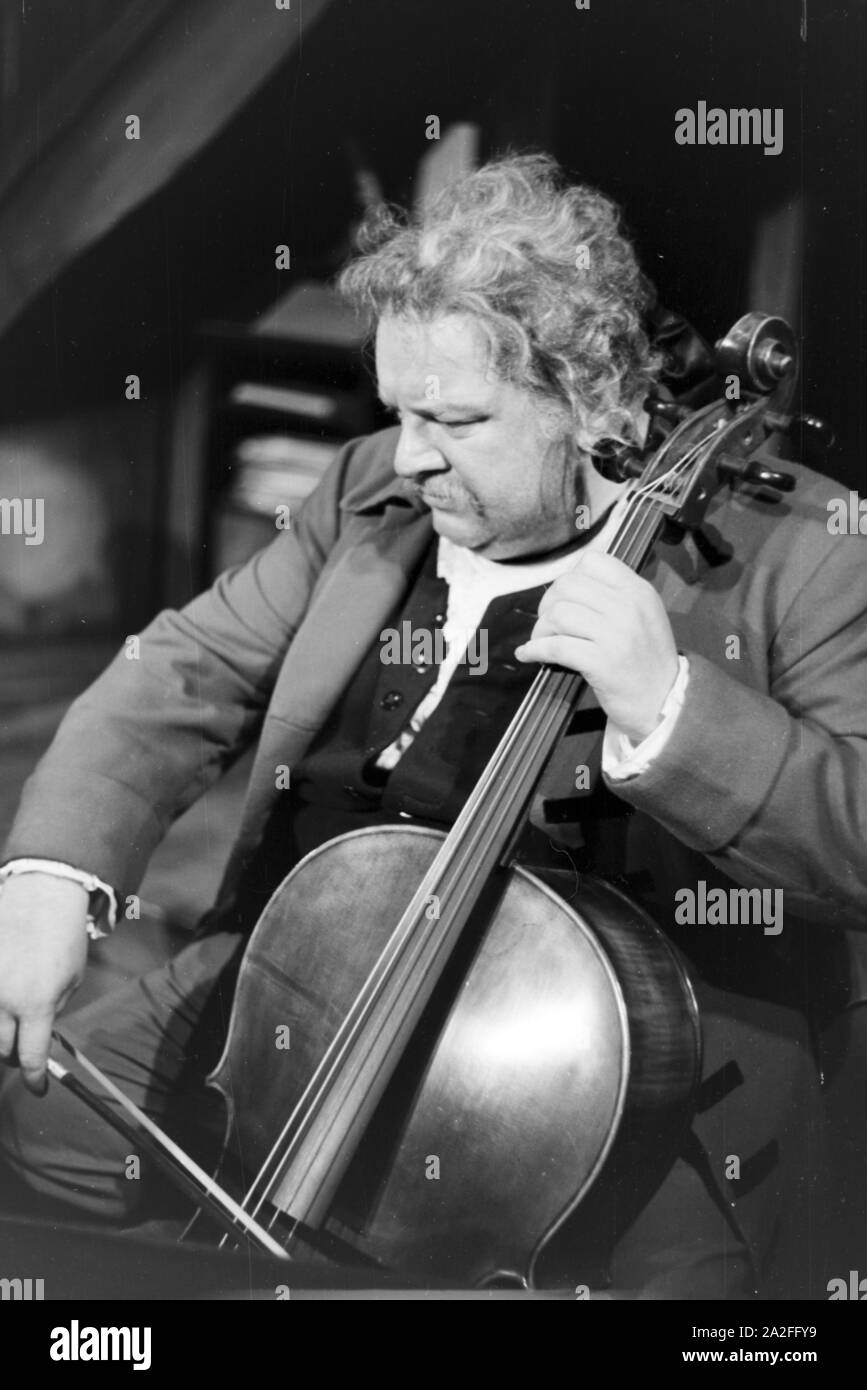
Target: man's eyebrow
{"points": [[439, 407]]}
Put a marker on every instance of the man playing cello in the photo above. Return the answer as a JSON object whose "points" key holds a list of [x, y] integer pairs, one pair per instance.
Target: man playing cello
{"points": [[510, 341]]}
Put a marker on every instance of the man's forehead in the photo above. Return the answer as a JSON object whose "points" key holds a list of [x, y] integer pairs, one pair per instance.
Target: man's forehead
{"points": [[451, 348]]}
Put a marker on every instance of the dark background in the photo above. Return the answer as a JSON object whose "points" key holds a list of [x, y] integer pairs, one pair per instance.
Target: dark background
{"points": [[597, 88]]}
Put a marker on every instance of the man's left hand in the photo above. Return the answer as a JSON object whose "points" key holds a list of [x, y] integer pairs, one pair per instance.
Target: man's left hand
{"points": [[603, 620]]}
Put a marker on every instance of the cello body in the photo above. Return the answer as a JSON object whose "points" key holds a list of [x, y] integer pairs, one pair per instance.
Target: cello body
{"points": [[560, 1051]]}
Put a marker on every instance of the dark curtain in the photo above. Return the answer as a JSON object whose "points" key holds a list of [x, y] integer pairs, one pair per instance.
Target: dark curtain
{"points": [[183, 67]]}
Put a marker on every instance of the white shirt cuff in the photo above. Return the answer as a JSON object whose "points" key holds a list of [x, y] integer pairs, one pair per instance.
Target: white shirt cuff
{"points": [[107, 909], [621, 757]]}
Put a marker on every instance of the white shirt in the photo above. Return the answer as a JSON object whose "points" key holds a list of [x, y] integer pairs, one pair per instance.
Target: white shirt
{"points": [[474, 582]]}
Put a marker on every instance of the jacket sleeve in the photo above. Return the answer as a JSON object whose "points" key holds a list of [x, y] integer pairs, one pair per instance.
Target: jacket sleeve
{"points": [[160, 725], [772, 787]]}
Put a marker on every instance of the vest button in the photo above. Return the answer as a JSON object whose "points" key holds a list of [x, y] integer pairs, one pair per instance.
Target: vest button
{"points": [[391, 700]]}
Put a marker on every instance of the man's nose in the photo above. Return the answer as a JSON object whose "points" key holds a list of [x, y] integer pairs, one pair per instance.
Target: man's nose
{"points": [[415, 452]]}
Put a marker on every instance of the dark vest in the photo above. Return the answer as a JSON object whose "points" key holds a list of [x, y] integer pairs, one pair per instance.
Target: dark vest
{"points": [[337, 786]]}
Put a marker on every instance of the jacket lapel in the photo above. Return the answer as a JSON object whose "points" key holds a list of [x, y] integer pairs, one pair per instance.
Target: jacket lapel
{"points": [[364, 580]]}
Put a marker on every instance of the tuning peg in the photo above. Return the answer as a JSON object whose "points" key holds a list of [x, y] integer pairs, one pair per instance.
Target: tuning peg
{"points": [[822, 431], [666, 410], [616, 461], [756, 474]]}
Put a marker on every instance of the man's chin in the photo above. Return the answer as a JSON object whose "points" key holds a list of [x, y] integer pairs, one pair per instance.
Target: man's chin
{"points": [[470, 533], [463, 530]]}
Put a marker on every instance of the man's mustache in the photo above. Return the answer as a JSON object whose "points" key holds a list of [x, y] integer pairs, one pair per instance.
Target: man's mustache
{"points": [[418, 489]]}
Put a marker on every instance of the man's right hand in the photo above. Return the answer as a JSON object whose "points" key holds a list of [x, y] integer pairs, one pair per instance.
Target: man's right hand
{"points": [[43, 953]]}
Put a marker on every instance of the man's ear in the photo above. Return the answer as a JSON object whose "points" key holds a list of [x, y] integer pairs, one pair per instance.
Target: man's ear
{"points": [[555, 421]]}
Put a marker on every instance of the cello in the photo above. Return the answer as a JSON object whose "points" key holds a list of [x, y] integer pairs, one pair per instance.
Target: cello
{"points": [[480, 1075]]}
